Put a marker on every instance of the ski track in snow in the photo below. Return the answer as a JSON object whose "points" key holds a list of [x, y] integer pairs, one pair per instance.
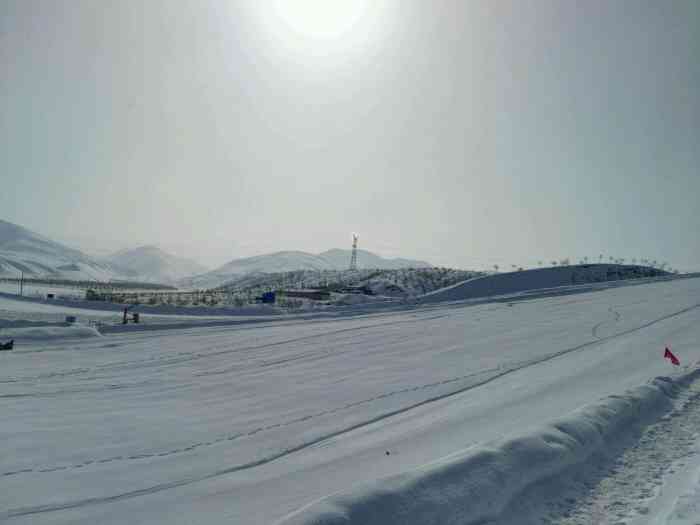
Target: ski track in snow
{"points": [[217, 351]]}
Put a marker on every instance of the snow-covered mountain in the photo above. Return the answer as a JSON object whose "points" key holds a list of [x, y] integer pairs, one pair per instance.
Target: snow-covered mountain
{"points": [[340, 260], [288, 261], [151, 264], [274, 262], [22, 250]]}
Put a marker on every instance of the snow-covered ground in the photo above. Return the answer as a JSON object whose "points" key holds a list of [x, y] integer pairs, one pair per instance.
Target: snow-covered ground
{"points": [[311, 420]]}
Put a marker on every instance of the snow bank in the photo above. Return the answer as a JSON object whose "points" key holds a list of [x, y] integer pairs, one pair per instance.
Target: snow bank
{"points": [[477, 485], [49, 332], [18, 323]]}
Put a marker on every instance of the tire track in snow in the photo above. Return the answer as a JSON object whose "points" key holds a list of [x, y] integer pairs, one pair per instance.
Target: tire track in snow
{"points": [[248, 433], [598, 325], [110, 387], [25, 511], [219, 350]]}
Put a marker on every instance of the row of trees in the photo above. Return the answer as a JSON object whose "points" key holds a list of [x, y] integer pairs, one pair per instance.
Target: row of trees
{"points": [[409, 280], [663, 266]]}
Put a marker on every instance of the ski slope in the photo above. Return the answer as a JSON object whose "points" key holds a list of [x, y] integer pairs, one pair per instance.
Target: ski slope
{"points": [[268, 423]]}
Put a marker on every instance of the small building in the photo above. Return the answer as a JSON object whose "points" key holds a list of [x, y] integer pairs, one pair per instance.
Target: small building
{"points": [[315, 295], [266, 298], [360, 290]]}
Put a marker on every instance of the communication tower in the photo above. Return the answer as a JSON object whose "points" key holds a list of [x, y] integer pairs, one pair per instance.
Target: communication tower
{"points": [[353, 257]]}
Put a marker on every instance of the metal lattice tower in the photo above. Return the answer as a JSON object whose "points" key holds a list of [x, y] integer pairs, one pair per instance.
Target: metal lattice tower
{"points": [[353, 257]]}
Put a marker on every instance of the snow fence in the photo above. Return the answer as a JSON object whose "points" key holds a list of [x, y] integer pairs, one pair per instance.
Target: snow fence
{"points": [[477, 485]]}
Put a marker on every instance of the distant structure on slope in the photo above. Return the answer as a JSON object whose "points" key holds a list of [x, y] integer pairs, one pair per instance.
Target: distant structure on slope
{"points": [[353, 257]]}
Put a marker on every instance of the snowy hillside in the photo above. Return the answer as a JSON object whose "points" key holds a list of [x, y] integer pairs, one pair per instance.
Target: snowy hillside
{"points": [[151, 264], [513, 282], [287, 261], [339, 259], [22, 250], [405, 282]]}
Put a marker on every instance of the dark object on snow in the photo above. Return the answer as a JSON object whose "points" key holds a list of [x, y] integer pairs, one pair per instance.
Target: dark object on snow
{"points": [[316, 295], [134, 316], [388, 453], [7, 346], [266, 298], [360, 290]]}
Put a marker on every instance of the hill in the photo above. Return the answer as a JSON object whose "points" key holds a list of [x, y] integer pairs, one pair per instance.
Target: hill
{"points": [[402, 282], [22, 250], [151, 264], [540, 278], [340, 260], [288, 261]]}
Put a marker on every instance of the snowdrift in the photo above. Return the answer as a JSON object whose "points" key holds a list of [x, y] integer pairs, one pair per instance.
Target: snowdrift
{"points": [[478, 484]]}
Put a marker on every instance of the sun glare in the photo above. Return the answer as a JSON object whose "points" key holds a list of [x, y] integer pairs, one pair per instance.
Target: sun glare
{"points": [[323, 27], [321, 20]]}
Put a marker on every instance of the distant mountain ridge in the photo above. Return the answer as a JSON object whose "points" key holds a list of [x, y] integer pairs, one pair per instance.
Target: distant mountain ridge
{"points": [[151, 264], [24, 251], [340, 259], [287, 261]]}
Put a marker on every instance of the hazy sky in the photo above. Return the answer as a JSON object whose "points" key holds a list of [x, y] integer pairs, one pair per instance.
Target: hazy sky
{"points": [[462, 133]]}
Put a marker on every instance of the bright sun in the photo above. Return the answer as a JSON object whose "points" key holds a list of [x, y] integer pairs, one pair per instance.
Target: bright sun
{"points": [[322, 19], [324, 27]]}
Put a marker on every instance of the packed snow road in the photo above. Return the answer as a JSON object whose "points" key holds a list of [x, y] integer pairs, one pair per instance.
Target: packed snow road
{"points": [[247, 424]]}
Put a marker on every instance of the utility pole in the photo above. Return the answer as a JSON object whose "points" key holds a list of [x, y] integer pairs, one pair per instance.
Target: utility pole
{"points": [[21, 283]]}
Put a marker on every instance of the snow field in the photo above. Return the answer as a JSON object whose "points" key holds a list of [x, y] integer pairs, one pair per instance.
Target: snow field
{"points": [[248, 423]]}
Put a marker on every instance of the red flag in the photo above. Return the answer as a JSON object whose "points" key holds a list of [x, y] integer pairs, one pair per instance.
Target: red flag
{"points": [[669, 355]]}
